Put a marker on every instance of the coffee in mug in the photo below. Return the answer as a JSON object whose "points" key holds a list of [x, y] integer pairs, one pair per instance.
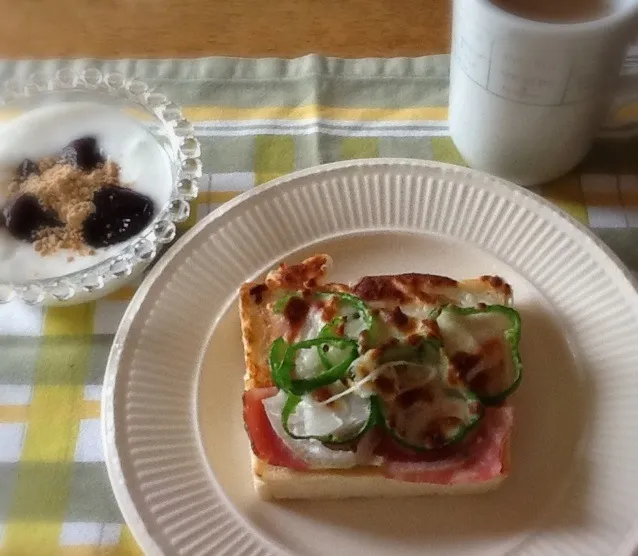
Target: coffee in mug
{"points": [[557, 11]]}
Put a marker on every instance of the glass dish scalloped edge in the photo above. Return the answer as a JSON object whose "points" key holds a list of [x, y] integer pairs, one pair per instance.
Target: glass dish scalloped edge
{"points": [[136, 254]]}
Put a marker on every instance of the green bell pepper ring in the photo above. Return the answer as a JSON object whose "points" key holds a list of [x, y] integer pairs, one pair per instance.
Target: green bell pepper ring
{"points": [[276, 356], [494, 392], [282, 367], [346, 298], [439, 436], [291, 403], [364, 312], [426, 349], [354, 301], [329, 330]]}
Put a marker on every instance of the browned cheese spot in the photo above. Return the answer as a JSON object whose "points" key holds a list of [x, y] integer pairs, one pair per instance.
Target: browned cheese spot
{"points": [[296, 310], [414, 339], [497, 283], [321, 394], [329, 308], [408, 398], [385, 385], [436, 431], [465, 362], [303, 274], [257, 292], [378, 288], [399, 319]]}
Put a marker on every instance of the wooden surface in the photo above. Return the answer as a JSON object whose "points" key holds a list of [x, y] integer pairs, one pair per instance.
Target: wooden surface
{"points": [[175, 28]]}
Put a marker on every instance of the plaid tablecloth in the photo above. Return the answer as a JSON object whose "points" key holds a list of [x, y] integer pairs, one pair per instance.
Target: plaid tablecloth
{"points": [[256, 120]]}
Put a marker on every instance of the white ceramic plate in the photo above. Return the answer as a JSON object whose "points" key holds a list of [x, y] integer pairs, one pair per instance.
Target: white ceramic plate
{"points": [[176, 451]]}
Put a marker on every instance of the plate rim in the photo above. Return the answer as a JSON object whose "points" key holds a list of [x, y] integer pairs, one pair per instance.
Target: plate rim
{"points": [[125, 502]]}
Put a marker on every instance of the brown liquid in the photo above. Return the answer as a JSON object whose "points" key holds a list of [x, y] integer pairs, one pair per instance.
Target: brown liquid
{"points": [[557, 11]]}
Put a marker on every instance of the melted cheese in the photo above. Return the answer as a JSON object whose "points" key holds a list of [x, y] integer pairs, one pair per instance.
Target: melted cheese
{"points": [[418, 311], [417, 397], [465, 333], [423, 403]]}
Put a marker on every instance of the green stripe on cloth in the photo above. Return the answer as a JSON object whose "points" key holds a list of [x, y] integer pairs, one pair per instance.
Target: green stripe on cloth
{"points": [[355, 147], [350, 93], [274, 157], [41, 491], [248, 94], [444, 150], [8, 472]]}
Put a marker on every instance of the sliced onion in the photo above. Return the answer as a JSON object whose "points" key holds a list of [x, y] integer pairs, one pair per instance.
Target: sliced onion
{"points": [[344, 419], [311, 418], [311, 451], [307, 362], [354, 326]]}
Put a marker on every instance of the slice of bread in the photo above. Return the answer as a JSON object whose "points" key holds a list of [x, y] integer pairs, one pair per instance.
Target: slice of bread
{"points": [[260, 327]]}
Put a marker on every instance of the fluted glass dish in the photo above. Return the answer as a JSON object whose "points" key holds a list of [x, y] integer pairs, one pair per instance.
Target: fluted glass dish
{"points": [[173, 133]]}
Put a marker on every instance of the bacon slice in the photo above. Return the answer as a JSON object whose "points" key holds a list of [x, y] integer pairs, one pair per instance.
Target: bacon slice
{"points": [[266, 445], [478, 460]]}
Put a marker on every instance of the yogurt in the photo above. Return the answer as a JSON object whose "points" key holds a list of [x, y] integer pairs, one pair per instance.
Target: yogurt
{"points": [[43, 132]]}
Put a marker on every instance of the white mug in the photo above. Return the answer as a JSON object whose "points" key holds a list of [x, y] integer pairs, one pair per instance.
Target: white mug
{"points": [[527, 98]]}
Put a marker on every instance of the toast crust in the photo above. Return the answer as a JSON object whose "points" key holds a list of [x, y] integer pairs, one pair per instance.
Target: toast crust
{"points": [[273, 482], [260, 328]]}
